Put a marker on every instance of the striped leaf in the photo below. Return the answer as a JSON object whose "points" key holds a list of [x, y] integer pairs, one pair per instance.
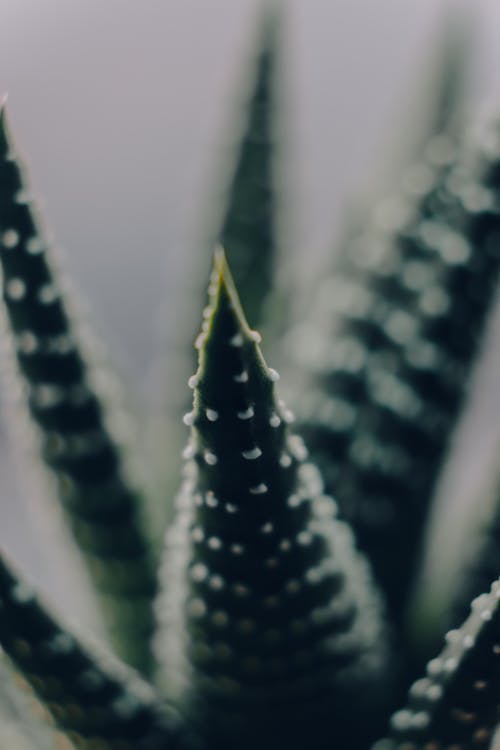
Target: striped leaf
{"points": [[72, 421], [272, 632], [92, 698], [456, 704], [387, 352]]}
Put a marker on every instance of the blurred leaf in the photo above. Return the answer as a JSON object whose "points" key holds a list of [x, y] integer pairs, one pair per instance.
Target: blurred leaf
{"points": [[90, 696], [73, 423], [389, 346], [456, 704]]}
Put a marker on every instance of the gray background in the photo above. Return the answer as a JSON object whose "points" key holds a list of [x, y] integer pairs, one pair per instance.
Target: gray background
{"points": [[122, 110]]}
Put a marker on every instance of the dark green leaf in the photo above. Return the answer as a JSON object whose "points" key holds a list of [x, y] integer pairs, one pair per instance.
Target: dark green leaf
{"points": [[76, 442], [248, 228], [270, 619], [389, 348], [456, 704], [89, 694]]}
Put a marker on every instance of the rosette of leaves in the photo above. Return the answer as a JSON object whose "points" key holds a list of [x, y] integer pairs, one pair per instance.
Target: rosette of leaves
{"points": [[272, 631], [94, 700], [456, 704], [390, 346], [72, 422]]}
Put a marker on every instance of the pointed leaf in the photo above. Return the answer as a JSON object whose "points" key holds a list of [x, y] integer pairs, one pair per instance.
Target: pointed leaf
{"points": [[90, 696], [456, 705], [248, 227], [450, 80], [269, 617], [76, 442], [245, 224], [389, 347]]}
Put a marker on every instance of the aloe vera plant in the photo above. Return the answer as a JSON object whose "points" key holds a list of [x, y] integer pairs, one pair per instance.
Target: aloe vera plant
{"points": [[267, 625]]}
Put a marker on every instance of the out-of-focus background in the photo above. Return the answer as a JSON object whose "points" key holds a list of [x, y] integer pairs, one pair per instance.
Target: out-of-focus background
{"points": [[122, 110]]}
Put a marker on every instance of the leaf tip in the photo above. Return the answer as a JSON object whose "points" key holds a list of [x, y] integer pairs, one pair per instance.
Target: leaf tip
{"points": [[223, 286]]}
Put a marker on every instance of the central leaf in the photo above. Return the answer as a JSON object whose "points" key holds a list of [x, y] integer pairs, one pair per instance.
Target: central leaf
{"points": [[271, 624]]}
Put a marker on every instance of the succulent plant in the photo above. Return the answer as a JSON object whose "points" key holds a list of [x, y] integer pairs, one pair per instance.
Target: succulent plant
{"points": [[276, 616]]}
